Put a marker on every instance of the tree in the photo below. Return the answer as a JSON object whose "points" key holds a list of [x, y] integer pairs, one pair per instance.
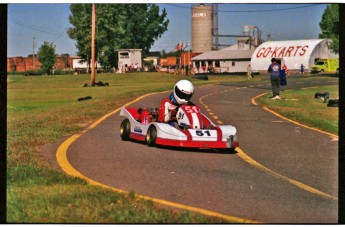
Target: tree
{"points": [[330, 26], [119, 26], [46, 56]]}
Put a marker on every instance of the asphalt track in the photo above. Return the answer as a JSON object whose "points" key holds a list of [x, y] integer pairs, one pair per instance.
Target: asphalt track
{"points": [[282, 172]]}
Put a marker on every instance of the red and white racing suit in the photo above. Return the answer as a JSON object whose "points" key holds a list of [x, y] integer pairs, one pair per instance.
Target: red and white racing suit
{"points": [[167, 111]]}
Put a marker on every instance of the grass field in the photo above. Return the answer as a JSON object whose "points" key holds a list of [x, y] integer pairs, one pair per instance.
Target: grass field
{"points": [[42, 109], [301, 106]]}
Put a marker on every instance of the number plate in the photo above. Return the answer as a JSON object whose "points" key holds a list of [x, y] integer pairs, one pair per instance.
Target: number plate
{"points": [[203, 134]]}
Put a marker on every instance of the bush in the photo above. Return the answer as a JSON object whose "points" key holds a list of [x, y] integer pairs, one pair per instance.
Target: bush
{"points": [[13, 73], [63, 72], [38, 72]]}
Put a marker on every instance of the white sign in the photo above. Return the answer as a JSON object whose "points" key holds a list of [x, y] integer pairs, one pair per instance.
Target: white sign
{"points": [[199, 15]]}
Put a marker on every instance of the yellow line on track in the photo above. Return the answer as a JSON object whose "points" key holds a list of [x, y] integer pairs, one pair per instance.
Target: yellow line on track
{"points": [[292, 121], [252, 162], [299, 124], [254, 99], [61, 157]]}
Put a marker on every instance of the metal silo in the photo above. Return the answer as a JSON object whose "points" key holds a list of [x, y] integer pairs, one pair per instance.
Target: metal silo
{"points": [[202, 28]]}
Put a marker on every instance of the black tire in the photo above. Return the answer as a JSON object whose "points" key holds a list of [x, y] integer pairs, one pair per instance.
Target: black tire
{"points": [[125, 129], [151, 136]]}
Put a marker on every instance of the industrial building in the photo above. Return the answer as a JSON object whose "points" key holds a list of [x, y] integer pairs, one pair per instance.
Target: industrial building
{"points": [[62, 62], [202, 28], [30, 63], [250, 47], [292, 53], [205, 41]]}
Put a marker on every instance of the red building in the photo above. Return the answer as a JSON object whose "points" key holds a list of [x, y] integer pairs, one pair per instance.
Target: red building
{"points": [[23, 64]]}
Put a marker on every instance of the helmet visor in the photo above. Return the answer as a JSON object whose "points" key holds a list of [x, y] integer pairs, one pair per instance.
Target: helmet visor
{"points": [[182, 95]]}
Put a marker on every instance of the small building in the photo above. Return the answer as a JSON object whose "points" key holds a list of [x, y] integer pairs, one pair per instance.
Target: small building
{"points": [[223, 61], [153, 57], [169, 61], [129, 57], [186, 58], [292, 53]]}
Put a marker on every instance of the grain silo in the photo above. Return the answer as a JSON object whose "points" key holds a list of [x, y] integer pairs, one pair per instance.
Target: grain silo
{"points": [[202, 25]]}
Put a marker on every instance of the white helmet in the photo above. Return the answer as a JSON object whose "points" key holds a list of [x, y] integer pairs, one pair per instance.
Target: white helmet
{"points": [[183, 91]]}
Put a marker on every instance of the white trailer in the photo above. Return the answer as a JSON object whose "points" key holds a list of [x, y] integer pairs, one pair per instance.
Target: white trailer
{"points": [[78, 63], [293, 53], [129, 57]]}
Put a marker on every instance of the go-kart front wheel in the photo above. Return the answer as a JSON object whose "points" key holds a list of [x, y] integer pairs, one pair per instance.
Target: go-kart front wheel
{"points": [[125, 129], [151, 136]]}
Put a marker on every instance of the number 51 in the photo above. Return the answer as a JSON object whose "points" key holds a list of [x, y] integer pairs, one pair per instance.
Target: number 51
{"points": [[202, 133]]}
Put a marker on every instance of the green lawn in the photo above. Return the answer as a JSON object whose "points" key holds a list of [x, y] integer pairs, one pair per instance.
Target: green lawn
{"points": [[42, 109], [301, 106]]}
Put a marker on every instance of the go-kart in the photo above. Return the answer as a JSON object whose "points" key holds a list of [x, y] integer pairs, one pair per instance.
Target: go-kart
{"points": [[190, 128]]}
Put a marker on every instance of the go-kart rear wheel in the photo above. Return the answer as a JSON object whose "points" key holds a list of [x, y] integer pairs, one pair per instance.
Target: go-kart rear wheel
{"points": [[151, 136], [125, 129]]}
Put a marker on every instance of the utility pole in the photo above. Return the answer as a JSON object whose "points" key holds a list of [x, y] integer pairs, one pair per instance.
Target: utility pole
{"points": [[93, 77], [189, 60], [215, 31], [33, 53]]}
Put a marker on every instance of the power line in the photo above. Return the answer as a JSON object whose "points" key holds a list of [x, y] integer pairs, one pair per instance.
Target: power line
{"points": [[23, 23], [65, 29], [12, 40], [250, 11], [37, 28]]}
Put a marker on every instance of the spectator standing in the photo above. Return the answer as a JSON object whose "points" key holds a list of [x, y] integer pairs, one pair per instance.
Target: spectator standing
{"points": [[204, 68], [286, 69], [249, 72], [209, 69], [302, 69], [275, 70], [283, 74]]}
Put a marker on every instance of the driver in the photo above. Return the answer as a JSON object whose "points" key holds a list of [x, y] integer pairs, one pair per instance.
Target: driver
{"points": [[182, 93]]}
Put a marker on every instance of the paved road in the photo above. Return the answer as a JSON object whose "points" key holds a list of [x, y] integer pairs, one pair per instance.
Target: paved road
{"points": [[223, 182]]}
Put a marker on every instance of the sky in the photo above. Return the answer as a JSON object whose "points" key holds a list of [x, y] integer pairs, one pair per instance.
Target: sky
{"points": [[32, 24]]}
